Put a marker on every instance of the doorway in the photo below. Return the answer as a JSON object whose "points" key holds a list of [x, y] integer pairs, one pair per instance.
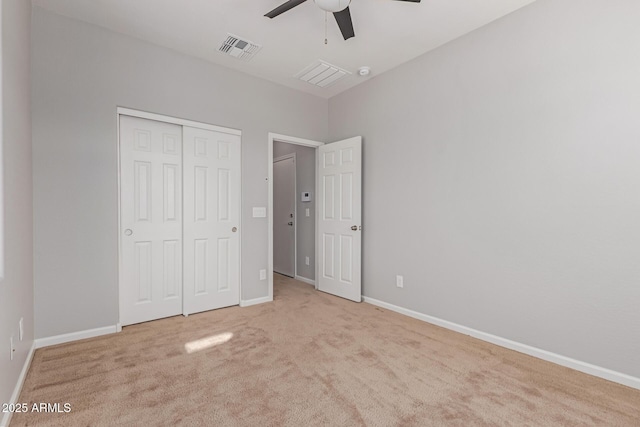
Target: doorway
{"points": [[337, 214], [305, 151]]}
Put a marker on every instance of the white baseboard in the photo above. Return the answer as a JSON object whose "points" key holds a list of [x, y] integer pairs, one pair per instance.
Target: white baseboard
{"points": [[6, 419], [558, 359], [75, 336], [305, 280], [250, 302]]}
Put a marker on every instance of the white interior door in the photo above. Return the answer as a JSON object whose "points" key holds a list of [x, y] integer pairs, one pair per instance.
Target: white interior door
{"points": [[211, 220], [284, 205], [339, 218], [151, 219]]}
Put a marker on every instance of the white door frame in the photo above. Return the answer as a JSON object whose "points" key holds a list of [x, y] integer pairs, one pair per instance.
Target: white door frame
{"points": [[123, 111], [289, 140], [295, 207]]}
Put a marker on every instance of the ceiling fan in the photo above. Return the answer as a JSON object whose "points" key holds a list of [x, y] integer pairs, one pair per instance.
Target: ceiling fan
{"points": [[339, 8]]}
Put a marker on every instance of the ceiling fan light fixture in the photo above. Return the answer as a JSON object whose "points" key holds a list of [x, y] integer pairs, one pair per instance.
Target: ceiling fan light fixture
{"points": [[332, 5]]}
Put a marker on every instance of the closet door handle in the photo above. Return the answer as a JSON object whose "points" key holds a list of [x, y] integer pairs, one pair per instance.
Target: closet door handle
{"points": [[234, 229], [128, 232]]}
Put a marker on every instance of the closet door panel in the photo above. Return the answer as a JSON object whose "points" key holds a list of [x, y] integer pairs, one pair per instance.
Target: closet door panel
{"points": [[211, 220], [150, 220]]}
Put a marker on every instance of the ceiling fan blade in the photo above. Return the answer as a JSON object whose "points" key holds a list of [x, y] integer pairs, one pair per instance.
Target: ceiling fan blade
{"points": [[343, 18], [284, 7], [413, 1]]}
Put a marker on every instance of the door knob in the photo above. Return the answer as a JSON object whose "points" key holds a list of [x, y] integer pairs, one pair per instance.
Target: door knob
{"points": [[354, 227], [234, 229], [290, 223], [128, 232]]}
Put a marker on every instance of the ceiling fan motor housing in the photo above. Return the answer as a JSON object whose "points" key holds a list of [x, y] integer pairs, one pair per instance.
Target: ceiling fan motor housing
{"points": [[332, 5]]}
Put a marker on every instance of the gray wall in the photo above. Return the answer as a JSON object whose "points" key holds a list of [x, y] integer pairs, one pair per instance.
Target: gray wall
{"points": [[305, 227], [16, 290], [80, 74], [501, 179]]}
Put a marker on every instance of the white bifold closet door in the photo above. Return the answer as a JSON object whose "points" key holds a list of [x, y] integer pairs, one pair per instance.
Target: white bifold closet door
{"points": [[180, 216]]}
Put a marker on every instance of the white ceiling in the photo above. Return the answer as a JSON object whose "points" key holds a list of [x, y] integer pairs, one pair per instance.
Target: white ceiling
{"points": [[388, 33]]}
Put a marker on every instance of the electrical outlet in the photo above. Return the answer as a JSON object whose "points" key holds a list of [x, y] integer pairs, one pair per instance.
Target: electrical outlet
{"points": [[263, 274], [21, 326], [306, 260], [400, 281], [12, 348], [307, 213]]}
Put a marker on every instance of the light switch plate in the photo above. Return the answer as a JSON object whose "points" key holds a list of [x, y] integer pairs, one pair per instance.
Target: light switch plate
{"points": [[259, 212]]}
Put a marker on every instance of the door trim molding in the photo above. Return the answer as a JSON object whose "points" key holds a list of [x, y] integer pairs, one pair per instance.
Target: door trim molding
{"points": [[285, 157], [124, 111], [289, 140]]}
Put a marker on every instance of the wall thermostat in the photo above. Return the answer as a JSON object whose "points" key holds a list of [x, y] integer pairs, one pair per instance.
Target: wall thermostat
{"points": [[306, 196]]}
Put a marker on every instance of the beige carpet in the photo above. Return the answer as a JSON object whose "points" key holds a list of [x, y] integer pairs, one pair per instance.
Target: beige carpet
{"points": [[311, 359]]}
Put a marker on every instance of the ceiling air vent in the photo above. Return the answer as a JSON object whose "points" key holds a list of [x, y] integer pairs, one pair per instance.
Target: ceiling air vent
{"points": [[321, 74], [239, 48]]}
